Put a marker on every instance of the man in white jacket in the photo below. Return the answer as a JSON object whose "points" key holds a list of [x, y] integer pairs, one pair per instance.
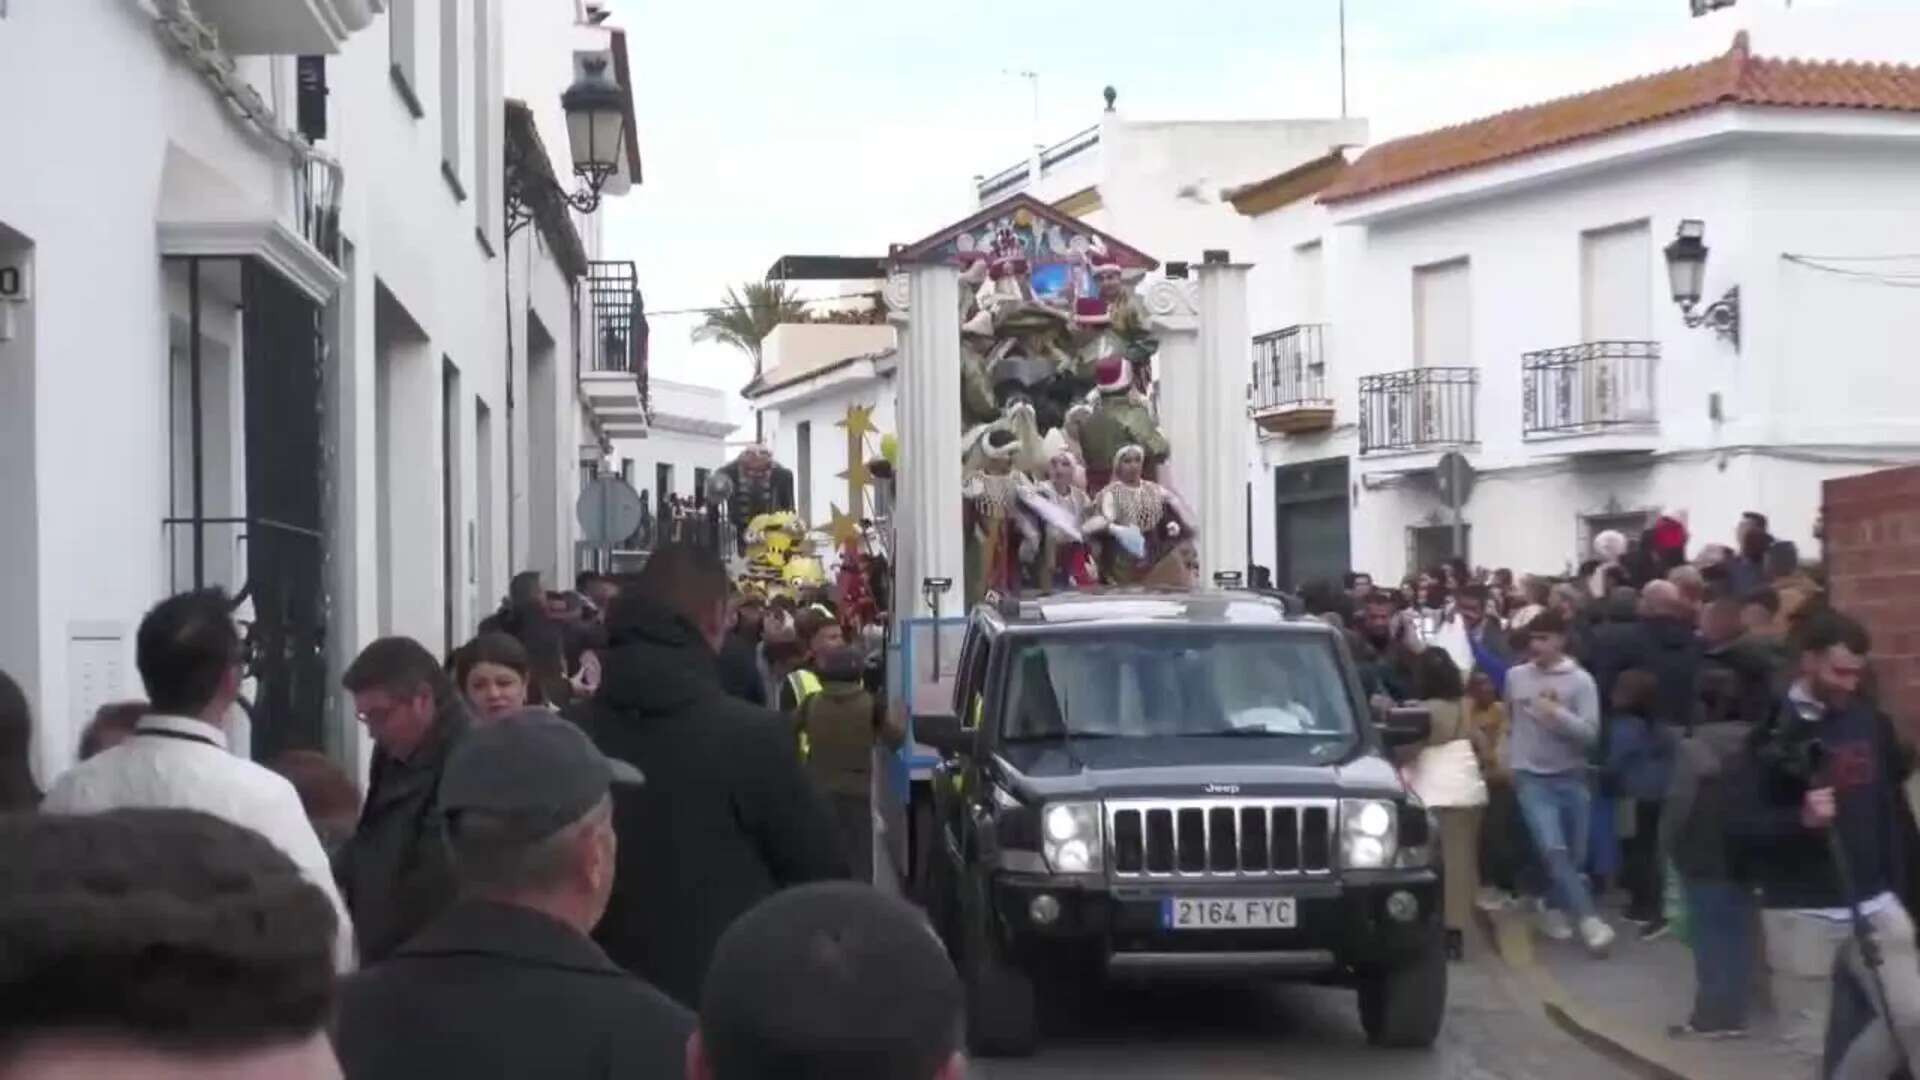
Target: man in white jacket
{"points": [[179, 756]]}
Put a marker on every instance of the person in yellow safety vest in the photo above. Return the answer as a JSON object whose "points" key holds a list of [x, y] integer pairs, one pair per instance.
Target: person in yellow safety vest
{"points": [[819, 634], [802, 684]]}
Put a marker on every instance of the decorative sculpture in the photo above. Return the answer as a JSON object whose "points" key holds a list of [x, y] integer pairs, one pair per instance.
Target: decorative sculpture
{"points": [[1065, 561], [1056, 378], [1000, 538], [750, 485], [1119, 417], [1143, 522]]}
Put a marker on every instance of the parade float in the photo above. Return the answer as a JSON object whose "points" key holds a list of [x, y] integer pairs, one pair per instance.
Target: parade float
{"points": [[1070, 413], [1061, 451]]}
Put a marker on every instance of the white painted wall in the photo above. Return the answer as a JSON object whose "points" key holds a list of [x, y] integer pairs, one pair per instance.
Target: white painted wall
{"points": [[689, 432], [86, 377], [823, 409], [1160, 181], [1820, 387]]}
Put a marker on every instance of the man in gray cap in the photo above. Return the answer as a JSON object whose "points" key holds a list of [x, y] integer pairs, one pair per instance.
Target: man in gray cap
{"points": [[506, 983]]}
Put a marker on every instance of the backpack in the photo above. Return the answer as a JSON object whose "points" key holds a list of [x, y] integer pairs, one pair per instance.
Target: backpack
{"points": [[837, 726]]}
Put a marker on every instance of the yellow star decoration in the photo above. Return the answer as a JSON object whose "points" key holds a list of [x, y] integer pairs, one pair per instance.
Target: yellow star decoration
{"points": [[844, 528], [858, 422], [856, 474]]}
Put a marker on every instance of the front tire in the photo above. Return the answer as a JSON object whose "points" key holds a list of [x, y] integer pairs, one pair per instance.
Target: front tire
{"points": [[1003, 1018], [1404, 1007]]}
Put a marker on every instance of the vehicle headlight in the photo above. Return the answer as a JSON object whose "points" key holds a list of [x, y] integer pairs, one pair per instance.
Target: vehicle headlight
{"points": [[1367, 834], [1072, 837]]}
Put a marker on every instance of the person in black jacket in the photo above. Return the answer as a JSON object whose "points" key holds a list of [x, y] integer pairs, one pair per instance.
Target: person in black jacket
{"points": [[1662, 640], [393, 870], [1756, 666], [506, 983], [727, 817], [1824, 774], [740, 652]]}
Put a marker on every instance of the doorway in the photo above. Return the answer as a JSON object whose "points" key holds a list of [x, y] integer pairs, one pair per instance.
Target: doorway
{"points": [[1312, 523], [248, 351]]}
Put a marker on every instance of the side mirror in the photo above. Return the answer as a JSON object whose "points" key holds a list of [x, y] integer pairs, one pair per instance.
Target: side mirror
{"points": [[1404, 725], [944, 734]]}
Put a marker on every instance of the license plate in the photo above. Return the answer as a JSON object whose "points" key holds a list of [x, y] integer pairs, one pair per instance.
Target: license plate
{"points": [[1206, 914]]}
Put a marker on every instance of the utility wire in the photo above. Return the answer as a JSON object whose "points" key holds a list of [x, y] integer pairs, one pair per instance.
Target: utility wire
{"points": [[651, 313], [1896, 281]]}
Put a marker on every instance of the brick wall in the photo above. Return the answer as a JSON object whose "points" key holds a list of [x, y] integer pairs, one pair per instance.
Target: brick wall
{"points": [[1872, 553]]}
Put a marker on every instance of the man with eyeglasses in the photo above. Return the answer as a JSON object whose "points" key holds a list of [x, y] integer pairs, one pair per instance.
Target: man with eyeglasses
{"points": [[394, 870], [178, 758]]}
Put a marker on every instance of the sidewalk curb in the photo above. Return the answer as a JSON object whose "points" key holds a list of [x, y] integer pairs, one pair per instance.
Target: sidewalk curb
{"points": [[1644, 1053]]}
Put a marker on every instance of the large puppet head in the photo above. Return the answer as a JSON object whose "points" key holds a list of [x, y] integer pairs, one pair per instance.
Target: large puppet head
{"points": [[756, 459]]}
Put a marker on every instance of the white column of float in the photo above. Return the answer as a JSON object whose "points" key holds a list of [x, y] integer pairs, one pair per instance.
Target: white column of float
{"points": [[1221, 392], [1173, 312], [927, 518]]}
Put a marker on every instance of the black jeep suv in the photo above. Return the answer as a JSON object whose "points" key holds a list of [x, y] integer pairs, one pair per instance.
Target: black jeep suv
{"points": [[1147, 785]]}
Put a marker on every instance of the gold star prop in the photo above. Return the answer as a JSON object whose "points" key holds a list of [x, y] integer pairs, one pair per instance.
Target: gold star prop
{"points": [[858, 422], [844, 528]]}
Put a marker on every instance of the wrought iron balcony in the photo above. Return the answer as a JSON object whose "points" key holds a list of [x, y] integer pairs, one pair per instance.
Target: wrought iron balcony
{"points": [[316, 199], [1420, 409], [1587, 389], [1289, 389], [613, 348]]}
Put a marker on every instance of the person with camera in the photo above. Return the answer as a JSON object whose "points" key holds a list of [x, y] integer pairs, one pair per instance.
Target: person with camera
{"points": [[1824, 833]]}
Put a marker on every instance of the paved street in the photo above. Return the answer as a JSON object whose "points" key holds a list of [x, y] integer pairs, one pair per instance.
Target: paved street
{"points": [[1304, 1033]]}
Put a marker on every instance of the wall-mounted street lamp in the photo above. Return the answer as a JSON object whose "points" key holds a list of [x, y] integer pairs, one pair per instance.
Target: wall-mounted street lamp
{"points": [[1687, 272], [595, 106]]}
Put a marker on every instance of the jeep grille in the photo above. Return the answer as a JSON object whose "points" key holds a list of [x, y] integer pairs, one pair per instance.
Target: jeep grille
{"points": [[1221, 838]]}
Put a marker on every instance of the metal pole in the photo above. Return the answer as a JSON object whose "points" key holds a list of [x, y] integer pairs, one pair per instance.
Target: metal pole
{"points": [[1343, 59], [936, 641], [195, 422]]}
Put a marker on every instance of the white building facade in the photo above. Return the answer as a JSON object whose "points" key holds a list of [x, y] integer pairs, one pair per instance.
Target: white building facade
{"points": [[254, 337], [686, 441], [814, 373], [1500, 289]]}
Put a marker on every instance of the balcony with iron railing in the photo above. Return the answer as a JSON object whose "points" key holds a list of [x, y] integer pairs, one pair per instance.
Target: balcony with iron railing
{"points": [[612, 342], [1418, 410], [1596, 388], [1289, 393]]}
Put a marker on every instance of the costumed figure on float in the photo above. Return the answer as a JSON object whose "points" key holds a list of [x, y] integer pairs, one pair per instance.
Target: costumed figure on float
{"points": [[1143, 525], [1118, 416], [1001, 537], [1066, 561]]}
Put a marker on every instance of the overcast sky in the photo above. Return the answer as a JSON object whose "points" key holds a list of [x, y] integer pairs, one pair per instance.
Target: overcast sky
{"points": [[840, 126]]}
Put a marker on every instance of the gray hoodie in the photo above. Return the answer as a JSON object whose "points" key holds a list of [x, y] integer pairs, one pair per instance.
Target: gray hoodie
{"points": [[1551, 737]]}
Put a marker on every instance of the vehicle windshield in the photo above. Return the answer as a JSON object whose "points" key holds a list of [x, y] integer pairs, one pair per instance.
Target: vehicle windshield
{"points": [[1186, 681]]}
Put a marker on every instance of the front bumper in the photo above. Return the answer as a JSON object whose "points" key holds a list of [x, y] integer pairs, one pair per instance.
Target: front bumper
{"points": [[1341, 926]]}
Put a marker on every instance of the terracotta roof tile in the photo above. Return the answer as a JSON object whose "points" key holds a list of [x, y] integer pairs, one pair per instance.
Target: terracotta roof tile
{"points": [[1734, 78]]}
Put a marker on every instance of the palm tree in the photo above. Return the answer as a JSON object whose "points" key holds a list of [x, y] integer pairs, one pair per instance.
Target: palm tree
{"points": [[748, 314]]}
